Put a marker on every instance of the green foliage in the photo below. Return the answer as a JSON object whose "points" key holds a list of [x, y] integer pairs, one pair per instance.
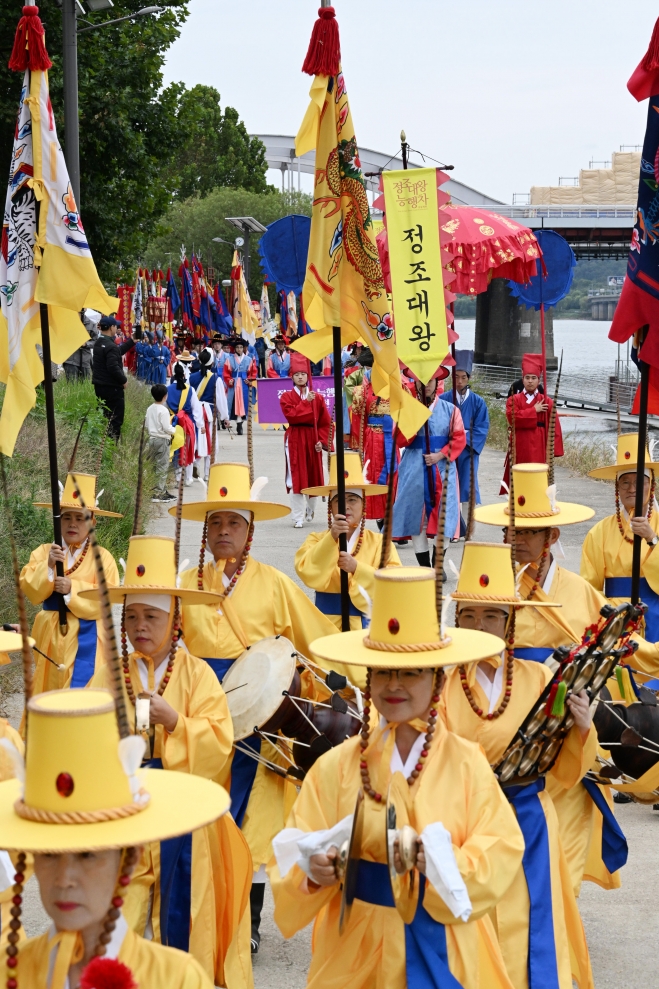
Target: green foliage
{"points": [[197, 220], [29, 480]]}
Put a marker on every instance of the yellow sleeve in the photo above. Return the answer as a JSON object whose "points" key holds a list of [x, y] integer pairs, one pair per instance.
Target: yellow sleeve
{"points": [[646, 657], [575, 758], [492, 850], [201, 741], [34, 576], [297, 617], [650, 566], [592, 559], [90, 609], [316, 560]]}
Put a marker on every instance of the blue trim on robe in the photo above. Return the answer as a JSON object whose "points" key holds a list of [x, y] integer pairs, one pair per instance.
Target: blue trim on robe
{"points": [[542, 964], [474, 407], [614, 843], [436, 443], [175, 886], [426, 954], [536, 655], [243, 767], [621, 587], [330, 604], [85, 661]]}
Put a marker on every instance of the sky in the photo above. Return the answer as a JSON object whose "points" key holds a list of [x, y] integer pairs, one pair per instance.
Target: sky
{"points": [[513, 93]]}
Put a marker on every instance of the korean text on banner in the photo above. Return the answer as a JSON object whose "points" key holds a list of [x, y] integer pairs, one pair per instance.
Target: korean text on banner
{"points": [[416, 269]]}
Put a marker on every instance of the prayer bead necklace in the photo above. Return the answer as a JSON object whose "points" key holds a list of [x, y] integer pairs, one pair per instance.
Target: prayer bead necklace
{"points": [[649, 513], [125, 659], [67, 573]]}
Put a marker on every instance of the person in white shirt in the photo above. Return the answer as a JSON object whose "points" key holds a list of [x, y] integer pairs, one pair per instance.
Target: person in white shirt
{"points": [[161, 431]]}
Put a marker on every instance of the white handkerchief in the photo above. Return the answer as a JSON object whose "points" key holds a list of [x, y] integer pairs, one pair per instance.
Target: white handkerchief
{"points": [[7, 871], [292, 846], [442, 870]]}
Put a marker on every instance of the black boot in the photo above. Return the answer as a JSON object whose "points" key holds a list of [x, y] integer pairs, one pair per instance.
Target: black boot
{"points": [[379, 523], [423, 559], [239, 431], [434, 551], [621, 798], [256, 895]]}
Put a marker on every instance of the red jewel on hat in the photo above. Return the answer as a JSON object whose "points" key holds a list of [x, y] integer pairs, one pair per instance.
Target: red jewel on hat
{"points": [[76, 495], [64, 784], [394, 626], [223, 492], [483, 580], [346, 473], [521, 500], [141, 570], [627, 454]]}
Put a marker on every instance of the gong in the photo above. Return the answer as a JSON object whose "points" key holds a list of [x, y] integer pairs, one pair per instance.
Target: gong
{"points": [[349, 857], [398, 827]]}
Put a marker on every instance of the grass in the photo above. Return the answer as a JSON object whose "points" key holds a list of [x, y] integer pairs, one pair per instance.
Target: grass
{"points": [[29, 481]]}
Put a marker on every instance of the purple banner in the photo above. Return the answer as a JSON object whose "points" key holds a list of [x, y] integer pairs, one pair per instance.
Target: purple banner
{"points": [[268, 391]]}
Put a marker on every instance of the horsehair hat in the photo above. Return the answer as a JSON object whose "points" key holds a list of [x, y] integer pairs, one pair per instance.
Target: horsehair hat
{"points": [[354, 478], [151, 569], [71, 499], [535, 503], [486, 578], [229, 490], [626, 459], [404, 631], [464, 361], [80, 788]]}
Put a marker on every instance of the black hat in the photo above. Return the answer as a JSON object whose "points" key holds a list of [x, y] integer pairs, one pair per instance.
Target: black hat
{"points": [[105, 322]]}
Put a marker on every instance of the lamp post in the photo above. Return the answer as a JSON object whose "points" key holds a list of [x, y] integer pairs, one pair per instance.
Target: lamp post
{"points": [[70, 32], [247, 225]]}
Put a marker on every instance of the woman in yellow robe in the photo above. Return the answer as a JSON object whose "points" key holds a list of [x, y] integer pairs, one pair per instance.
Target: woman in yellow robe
{"points": [[452, 793], [319, 562], [256, 601], [472, 705], [99, 804], [206, 880], [9, 642], [75, 656]]}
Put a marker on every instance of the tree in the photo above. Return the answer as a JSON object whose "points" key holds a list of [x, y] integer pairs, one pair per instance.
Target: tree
{"points": [[197, 220], [216, 149]]}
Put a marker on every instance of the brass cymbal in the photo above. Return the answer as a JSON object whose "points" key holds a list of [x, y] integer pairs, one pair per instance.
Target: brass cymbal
{"points": [[351, 857], [398, 825]]}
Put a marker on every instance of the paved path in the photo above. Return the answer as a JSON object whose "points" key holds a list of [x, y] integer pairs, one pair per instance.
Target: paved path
{"points": [[622, 926]]}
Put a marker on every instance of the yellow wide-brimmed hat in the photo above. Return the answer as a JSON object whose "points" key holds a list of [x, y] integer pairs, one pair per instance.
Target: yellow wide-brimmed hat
{"points": [[486, 577], [11, 642], [70, 498], [354, 478], [404, 631], [151, 569], [229, 490], [535, 504], [83, 789], [185, 356], [626, 459]]}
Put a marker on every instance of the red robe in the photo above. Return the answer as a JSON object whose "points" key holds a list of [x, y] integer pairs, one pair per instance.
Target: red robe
{"points": [[366, 405], [309, 422], [530, 432]]}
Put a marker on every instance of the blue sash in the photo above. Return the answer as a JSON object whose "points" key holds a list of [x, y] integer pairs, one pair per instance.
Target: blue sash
{"points": [[536, 655], [621, 587], [542, 966], [175, 886], [436, 443], [85, 661], [386, 423], [330, 604], [426, 955], [614, 843], [243, 767]]}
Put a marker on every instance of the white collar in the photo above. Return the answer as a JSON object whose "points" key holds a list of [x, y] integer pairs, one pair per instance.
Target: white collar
{"points": [[111, 950], [306, 389], [353, 540], [491, 688], [397, 765], [529, 398], [549, 578], [463, 398], [158, 672]]}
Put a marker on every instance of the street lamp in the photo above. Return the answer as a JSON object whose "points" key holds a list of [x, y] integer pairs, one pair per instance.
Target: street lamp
{"points": [[247, 225], [70, 32]]}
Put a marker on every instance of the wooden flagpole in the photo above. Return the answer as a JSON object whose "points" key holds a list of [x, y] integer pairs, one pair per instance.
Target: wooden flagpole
{"points": [[340, 469], [640, 468]]}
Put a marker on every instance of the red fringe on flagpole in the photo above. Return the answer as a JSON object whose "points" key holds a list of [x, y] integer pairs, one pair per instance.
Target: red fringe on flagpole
{"points": [[651, 60], [29, 51], [324, 54]]}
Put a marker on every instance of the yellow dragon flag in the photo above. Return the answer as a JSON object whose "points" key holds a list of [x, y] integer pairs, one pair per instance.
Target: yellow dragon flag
{"points": [[45, 258], [343, 284]]}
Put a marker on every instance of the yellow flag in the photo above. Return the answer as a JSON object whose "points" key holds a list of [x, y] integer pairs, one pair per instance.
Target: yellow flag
{"points": [[45, 258], [343, 284], [416, 269]]}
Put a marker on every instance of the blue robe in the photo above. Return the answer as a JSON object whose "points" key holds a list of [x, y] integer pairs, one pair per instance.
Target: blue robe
{"points": [[139, 349], [239, 374], [474, 408], [209, 388], [160, 357], [281, 365], [412, 496], [148, 363]]}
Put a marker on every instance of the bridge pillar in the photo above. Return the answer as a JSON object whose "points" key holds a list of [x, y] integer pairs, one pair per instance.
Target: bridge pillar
{"points": [[505, 330]]}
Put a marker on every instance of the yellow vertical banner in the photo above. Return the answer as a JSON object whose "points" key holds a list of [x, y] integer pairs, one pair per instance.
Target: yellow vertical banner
{"points": [[416, 269]]}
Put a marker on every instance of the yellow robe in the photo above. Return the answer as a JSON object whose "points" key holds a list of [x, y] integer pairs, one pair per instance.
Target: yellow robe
{"points": [[153, 966], [457, 787], [62, 649], [511, 914], [264, 602], [221, 864], [579, 819], [316, 566]]}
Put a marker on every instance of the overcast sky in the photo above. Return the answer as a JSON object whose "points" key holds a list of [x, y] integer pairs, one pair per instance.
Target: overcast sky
{"points": [[513, 93]]}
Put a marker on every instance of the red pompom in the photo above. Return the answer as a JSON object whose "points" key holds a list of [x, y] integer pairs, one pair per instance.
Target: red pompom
{"points": [[107, 973], [324, 54], [29, 51]]}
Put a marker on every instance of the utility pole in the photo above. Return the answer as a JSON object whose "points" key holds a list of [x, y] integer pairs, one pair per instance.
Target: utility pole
{"points": [[70, 79]]}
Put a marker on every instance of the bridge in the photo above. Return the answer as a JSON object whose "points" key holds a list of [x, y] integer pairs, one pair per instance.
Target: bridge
{"points": [[592, 231]]}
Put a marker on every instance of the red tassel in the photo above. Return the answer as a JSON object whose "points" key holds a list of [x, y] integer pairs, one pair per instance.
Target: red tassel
{"points": [[651, 60], [107, 973], [324, 54], [29, 51]]}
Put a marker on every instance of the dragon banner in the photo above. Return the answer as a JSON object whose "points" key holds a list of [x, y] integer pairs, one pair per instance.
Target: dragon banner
{"points": [[343, 283]]}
